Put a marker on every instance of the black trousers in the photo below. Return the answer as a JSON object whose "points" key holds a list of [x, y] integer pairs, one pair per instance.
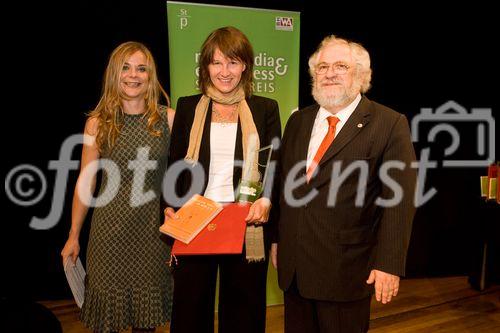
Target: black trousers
{"points": [[242, 294], [308, 315]]}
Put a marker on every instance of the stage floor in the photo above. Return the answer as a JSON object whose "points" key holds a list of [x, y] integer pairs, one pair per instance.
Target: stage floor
{"points": [[446, 304]]}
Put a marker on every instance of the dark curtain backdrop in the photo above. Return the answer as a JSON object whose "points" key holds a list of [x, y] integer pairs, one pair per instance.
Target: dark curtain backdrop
{"points": [[422, 56]]}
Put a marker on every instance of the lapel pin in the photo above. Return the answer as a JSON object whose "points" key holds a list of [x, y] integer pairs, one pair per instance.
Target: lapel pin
{"points": [[360, 125]]}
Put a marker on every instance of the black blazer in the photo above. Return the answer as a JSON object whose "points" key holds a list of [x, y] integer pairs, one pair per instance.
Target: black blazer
{"points": [[265, 115], [331, 249]]}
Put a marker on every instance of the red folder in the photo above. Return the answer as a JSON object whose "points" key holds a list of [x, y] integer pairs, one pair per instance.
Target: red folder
{"points": [[498, 183], [225, 234], [492, 182]]}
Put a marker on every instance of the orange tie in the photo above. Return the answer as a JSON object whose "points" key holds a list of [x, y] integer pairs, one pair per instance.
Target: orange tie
{"points": [[327, 141]]}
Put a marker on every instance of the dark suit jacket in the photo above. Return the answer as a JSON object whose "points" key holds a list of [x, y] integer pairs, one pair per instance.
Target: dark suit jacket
{"points": [[265, 115], [332, 249]]}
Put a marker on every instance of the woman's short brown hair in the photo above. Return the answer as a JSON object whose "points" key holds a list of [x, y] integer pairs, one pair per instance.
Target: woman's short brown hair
{"points": [[235, 45]]}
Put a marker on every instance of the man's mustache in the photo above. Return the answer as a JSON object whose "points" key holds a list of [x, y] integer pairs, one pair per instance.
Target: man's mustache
{"points": [[330, 81]]}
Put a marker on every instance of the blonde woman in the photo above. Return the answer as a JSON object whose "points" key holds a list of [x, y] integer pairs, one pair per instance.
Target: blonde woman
{"points": [[128, 283]]}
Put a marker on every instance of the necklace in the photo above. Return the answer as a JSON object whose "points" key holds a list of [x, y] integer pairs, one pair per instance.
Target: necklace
{"points": [[218, 117]]}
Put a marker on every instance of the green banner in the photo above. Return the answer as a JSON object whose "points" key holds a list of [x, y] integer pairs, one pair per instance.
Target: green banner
{"points": [[274, 36]]}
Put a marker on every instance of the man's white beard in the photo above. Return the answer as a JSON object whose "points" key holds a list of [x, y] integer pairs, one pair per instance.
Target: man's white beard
{"points": [[329, 99]]}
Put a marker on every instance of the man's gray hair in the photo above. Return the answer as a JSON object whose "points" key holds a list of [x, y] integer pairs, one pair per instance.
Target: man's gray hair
{"points": [[359, 53]]}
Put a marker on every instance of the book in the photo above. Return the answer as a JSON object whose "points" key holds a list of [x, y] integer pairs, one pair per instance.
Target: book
{"points": [[484, 186], [498, 182], [492, 182], [191, 218], [225, 234], [75, 274]]}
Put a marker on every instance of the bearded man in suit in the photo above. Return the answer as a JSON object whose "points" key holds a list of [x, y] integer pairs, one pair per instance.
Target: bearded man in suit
{"points": [[346, 205]]}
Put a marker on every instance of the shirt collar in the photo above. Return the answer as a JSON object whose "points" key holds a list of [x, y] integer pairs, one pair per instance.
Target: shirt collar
{"points": [[343, 114]]}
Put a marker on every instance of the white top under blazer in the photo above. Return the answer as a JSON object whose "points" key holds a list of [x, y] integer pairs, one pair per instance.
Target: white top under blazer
{"points": [[220, 174]]}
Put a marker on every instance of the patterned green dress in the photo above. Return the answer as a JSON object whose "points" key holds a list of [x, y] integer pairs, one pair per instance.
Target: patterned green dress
{"points": [[128, 280]]}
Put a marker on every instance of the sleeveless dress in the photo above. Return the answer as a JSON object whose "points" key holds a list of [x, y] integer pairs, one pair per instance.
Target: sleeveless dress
{"points": [[128, 280]]}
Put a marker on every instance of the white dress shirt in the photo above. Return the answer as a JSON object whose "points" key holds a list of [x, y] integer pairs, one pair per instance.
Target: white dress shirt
{"points": [[320, 127]]}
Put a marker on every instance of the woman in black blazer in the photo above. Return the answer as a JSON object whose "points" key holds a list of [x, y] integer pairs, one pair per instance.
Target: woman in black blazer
{"points": [[213, 130]]}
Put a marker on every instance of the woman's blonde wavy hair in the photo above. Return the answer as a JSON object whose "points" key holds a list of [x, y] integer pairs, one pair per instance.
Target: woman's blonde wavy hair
{"points": [[109, 110]]}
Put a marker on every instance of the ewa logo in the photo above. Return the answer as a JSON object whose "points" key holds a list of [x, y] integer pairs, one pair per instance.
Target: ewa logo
{"points": [[284, 23]]}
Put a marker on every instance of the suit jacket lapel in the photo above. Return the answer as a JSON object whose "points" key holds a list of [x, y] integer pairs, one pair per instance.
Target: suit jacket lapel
{"points": [[238, 156], [307, 123], [298, 152], [204, 154], [355, 124]]}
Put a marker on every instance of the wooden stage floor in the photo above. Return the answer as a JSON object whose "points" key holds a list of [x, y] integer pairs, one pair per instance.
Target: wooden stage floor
{"points": [[445, 304]]}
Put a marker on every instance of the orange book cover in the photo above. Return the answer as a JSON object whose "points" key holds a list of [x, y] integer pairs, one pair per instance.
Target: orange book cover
{"points": [[498, 183], [225, 234], [192, 218]]}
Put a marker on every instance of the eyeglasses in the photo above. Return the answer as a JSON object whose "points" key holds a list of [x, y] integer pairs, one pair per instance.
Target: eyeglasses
{"points": [[338, 68]]}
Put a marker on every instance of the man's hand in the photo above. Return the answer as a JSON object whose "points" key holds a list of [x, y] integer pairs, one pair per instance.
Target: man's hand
{"points": [[274, 255], [386, 285]]}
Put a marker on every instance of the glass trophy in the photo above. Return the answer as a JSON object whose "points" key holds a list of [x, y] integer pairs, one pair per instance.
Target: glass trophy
{"points": [[250, 190]]}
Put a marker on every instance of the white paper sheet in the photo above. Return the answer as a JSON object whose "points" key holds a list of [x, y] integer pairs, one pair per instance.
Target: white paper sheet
{"points": [[75, 274]]}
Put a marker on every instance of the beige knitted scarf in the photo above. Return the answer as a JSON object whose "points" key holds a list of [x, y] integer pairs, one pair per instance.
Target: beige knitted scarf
{"points": [[254, 236]]}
